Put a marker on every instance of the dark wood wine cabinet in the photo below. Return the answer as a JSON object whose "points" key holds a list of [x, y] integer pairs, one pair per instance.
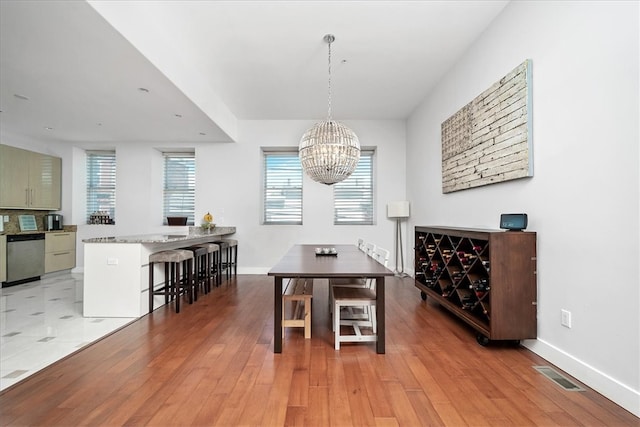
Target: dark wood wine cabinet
{"points": [[485, 277]]}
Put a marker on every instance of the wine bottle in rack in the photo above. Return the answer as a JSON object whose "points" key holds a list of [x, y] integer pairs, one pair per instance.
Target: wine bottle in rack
{"points": [[480, 287], [430, 282], [467, 302], [457, 276], [447, 290]]}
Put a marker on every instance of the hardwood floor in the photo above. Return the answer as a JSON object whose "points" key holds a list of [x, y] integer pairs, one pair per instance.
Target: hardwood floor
{"points": [[213, 365]]}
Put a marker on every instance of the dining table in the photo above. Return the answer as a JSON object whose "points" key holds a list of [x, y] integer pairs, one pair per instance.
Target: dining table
{"points": [[339, 261]]}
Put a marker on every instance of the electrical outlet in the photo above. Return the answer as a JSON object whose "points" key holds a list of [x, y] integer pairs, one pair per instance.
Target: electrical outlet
{"points": [[566, 318], [112, 261]]}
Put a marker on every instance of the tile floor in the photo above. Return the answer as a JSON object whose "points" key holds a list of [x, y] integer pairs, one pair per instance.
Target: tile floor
{"points": [[41, 322]]}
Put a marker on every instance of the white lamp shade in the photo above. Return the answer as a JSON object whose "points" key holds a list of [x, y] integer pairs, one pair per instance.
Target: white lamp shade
{"points": [[398, 209]]}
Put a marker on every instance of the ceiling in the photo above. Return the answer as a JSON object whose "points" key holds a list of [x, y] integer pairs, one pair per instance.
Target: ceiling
{"points": [[187, 71]]}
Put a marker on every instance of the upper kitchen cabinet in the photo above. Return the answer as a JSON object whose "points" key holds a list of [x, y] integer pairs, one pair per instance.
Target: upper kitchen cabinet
{"points": [[29, 180]]}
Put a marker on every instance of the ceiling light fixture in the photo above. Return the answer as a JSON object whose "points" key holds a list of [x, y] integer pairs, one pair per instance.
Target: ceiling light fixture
{"points": [[329, 151]]}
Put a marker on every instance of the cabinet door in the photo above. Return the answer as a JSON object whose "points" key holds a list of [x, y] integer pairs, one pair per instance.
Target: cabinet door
{"points": [[60, 251], [29, 180], [56, 242], [3, 258], [44, 181], [14, 177], [59, 261]]}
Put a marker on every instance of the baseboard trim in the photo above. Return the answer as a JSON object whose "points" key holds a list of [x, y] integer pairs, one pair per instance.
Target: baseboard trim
{"points": [[254, 270], [609, 387]]}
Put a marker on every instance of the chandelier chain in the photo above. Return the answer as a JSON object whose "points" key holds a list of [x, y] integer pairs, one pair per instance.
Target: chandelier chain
{"points": [[329, 85]]}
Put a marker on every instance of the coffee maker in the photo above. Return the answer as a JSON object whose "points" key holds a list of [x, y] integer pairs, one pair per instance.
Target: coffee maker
{"points": [[52, 222]]}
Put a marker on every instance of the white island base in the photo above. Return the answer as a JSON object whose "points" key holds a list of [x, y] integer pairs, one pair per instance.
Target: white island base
{"points": [[116, 270]]}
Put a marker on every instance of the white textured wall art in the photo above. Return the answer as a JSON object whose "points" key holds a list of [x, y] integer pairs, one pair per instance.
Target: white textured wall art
{"points": [[489, 140]]}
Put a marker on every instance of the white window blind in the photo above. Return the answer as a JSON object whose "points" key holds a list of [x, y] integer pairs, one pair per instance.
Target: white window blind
{"points": [[353, 197], [179, 185], [101, 183], [282, 188]]}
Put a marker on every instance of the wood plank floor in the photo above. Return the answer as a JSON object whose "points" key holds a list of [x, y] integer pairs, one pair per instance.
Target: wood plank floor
{"points": [[213, 365]]}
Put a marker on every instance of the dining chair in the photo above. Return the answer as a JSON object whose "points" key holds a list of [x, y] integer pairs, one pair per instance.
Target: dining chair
{"points": [[369, 248], [354, 297], [381, 255], [351, 297], [357, 282]]}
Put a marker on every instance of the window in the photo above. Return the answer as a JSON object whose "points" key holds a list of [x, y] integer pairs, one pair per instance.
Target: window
{"points": [[101, 183], [353, 197], [282, 188], [179, 185]]}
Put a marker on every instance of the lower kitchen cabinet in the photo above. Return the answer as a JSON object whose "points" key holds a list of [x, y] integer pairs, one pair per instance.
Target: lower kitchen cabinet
{"points": [[3, 258], [60, 251]]}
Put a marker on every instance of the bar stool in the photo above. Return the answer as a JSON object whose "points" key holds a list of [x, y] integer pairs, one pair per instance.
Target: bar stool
{"points": [[231, 256], [222, 259], [175, 283], [213, 263], [201, 274]]}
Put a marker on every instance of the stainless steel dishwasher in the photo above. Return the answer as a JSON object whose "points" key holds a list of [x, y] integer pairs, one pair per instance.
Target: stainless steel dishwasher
{"points": [[25, 258]]}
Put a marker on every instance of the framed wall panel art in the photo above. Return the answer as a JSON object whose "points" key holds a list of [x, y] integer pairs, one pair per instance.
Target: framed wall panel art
{"points": [[489, 140]]}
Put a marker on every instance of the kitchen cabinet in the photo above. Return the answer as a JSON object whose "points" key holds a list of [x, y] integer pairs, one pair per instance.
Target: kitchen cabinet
{"points": [[3, 258], [59, 251], [29, 180]]}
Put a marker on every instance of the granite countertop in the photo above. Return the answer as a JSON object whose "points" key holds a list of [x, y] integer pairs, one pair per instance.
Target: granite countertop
{"points": [[65, 229], [194, 233]]}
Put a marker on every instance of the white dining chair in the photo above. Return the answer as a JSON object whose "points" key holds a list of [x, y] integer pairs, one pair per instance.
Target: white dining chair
{"points": [[351, 282], [357, 297]]}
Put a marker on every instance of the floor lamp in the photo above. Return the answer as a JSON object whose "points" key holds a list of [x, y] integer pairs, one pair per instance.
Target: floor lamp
{"points": [[398, 210]]}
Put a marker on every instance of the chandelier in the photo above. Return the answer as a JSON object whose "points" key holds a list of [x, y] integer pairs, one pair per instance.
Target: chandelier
{"points": [[329, 151]]}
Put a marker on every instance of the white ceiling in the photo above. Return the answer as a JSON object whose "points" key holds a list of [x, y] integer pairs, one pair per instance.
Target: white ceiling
{"points": [[215, 62]]}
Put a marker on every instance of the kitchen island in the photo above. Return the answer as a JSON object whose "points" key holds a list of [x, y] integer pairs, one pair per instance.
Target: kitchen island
{"points": [[116, 269]]}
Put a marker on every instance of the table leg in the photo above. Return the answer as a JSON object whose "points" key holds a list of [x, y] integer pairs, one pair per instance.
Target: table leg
{"points": [[277, 315], [380, 348]]}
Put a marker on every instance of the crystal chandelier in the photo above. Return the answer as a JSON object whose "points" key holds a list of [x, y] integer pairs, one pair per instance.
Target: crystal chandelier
{"points": [[329, 151]]}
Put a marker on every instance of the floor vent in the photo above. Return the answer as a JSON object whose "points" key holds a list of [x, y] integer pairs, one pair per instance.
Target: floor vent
{"points": [[558, 378]]}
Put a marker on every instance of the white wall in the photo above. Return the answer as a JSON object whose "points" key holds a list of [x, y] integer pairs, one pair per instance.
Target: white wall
{"points": [[229, 185], [583, 199], [237, 201]]}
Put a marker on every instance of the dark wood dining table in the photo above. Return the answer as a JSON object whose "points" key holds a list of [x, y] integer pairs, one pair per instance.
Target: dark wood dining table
{"points": [[348, 262]]}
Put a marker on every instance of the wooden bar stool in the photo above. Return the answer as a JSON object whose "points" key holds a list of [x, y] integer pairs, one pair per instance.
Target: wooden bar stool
{"points": [[222, 259], [176, 282], [201, 274], [232, 262], [230, 253], [213, 254]]}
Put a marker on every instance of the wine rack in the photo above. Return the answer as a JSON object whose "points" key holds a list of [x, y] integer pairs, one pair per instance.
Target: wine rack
{"points": [[485, 277]]}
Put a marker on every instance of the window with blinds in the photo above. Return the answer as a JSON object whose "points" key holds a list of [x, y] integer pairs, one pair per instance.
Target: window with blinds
{"points": [[282, 188], [179, 197], [353, 197], [101, 183]]}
